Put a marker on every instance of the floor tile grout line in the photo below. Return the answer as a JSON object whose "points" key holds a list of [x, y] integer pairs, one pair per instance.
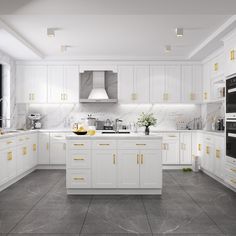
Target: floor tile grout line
{"points": [[86, 215], [199, 206], [146, 213], [27, 213]]}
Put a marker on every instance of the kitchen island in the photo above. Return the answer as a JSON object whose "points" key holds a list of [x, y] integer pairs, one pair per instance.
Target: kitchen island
{"points": [[114, 164]]}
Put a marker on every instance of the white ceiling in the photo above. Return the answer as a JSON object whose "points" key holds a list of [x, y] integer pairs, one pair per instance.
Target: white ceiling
{"points": [[114, 29]]}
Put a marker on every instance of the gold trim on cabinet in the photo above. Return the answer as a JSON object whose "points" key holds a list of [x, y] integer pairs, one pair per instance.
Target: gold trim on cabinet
{"points": [[9, 156], [79, 178], [232, 56]]}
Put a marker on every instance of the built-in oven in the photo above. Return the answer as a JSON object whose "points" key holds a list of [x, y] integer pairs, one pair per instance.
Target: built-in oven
{"points": [[231, 138], [231, 97]]}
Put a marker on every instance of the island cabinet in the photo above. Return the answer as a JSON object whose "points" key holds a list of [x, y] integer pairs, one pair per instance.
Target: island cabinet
{"points": [[106, 166]]}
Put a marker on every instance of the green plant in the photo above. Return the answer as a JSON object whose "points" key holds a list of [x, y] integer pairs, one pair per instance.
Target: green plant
{"points": [[146, 119]]}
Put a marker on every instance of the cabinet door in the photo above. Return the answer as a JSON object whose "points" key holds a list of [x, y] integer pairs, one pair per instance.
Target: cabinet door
{"points": [[43, 150], [141, 84], [128, 169], [150, 162], [206, 82], [57, 149], [126, 84], [171, 152], [104, 169], [197, 83], [173, 83], [208, 156], [55, 84], [230, 56], [219, 157], [31, 84], [34, 149], [187, 77], [157, 84], [185, 148], [9, 159], [20, 160], [3, 168], [71, 84]]}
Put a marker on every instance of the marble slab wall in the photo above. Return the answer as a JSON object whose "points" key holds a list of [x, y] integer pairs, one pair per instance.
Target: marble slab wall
{"points": [[62, 116]]}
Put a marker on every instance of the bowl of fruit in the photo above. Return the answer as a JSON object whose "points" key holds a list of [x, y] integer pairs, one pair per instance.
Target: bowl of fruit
{"points": [[79, 130]]}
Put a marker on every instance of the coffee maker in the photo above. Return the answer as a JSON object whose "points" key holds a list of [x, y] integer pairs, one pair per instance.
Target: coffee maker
{"points": [[35, 121]]}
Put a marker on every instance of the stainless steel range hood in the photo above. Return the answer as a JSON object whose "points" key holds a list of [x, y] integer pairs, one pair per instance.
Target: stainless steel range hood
{"points": [[98, 92]]}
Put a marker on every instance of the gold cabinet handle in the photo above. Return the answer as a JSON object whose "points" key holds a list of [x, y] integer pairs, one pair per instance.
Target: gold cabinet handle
{"points": [[9, 142], [137, 159], [199, 147], [218, 153], [34, 147], [232, 56], [78, 159], [47, 146], [141, 144], [79, 178], [114, 159], [234, 170], [205, 95], [216, 67], [9, 156], [233, 181], [207, 150], [172, 136], [165, 96], [104, 144], [142, 159], [78, 144], [134, 96]]}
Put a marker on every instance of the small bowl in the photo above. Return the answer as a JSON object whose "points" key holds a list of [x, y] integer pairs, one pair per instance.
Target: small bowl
{"points": [[80, 132]]}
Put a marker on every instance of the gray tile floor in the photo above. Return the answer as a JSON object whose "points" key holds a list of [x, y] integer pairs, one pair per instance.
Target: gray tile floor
{"points": [[191, 204]]}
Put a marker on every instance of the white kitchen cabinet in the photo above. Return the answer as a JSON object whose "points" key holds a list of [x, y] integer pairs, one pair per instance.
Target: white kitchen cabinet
{"points": [[149, 161], [31, 84], [157, 84], [133, 84], [185, 148], [206, 82], [104, 165], [57, 148], [191, 83], [208, 154], [128, 169], [165, 83], [63, 84], [170, 149], [3, 167], [43, 150], [217, 66], [230, 54]]}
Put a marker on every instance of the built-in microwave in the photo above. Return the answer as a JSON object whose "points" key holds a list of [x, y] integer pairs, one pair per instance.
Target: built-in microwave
{"points": [[231, 97], [231, 139]]}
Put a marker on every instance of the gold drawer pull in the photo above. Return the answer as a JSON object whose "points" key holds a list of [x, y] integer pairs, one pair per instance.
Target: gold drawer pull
{"points": [[172, 136], [141, 159], [9, 156], [205, 95], [199, 147], [141, 144], [104, 144], [78, 144], [9, 142], [79, 159], [216, 67], [78, 178], [232, 56]]}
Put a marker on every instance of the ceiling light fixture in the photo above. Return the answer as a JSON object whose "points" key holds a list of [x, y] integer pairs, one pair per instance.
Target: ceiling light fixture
{"points": [[179, 32], [51, 32], [168, 48]]}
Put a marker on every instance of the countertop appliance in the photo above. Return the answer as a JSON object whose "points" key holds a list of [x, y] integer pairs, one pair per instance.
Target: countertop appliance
{"points": [[35, 120], [231, 138], [231, 97]]}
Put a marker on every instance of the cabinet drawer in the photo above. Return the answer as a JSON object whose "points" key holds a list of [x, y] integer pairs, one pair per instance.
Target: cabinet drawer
{"points": [[208, 138], [170, 136], [139, 144], [231, 180], [78, 178], [80, 144], [104, 144], [230, 170], [58, 136], [79, 159], [7, 143], [231, 161]]}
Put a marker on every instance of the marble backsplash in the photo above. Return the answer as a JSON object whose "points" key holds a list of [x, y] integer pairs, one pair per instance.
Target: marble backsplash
{"points": [[63, 116]]}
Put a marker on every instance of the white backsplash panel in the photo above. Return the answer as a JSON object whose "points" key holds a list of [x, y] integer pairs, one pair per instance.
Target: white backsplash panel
{"points": [[64, 115]]}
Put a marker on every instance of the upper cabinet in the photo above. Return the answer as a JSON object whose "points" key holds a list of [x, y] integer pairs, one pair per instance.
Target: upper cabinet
{"points": [[31, 84], [165, 82], [63, 84], [133, 84], [191, 83], [217, 67], [230, 54]]}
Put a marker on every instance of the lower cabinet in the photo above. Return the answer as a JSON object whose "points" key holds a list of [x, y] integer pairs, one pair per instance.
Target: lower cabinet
{"points": [[186, 148], [43, 148], [57, 148]]}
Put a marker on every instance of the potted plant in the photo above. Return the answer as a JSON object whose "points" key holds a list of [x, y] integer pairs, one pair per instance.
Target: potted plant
{"points": [[146, 120]]}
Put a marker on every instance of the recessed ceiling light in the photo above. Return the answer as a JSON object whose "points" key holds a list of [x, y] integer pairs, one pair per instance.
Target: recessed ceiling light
{"points": [[51, 32], [168, 48], [179, 32]]}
